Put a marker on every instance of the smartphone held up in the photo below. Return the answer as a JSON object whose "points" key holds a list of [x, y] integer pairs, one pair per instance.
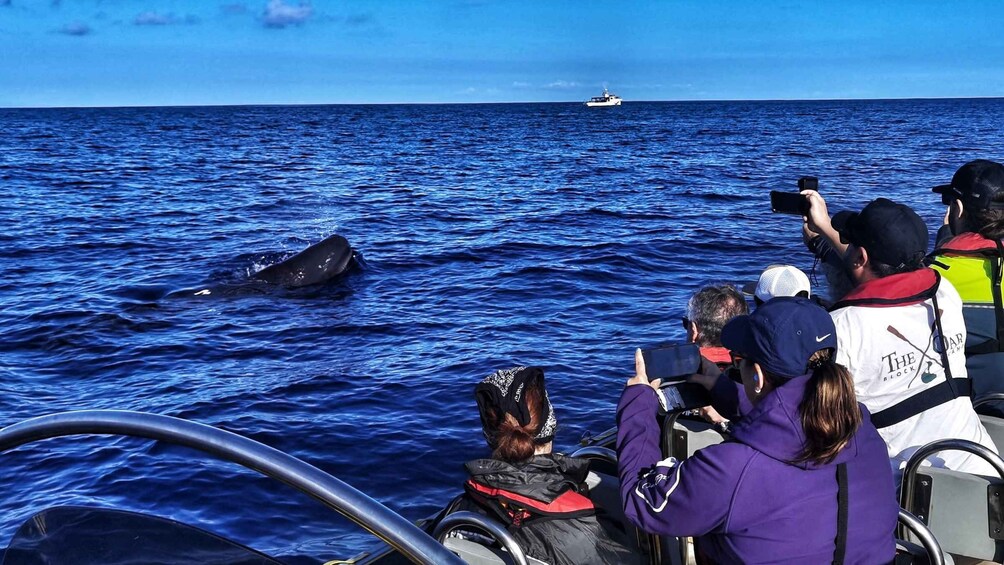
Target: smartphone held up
{"points": [[793, 202], [673, 364]]}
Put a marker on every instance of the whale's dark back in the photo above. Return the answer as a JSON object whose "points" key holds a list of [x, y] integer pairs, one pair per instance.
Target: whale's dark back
{"points": [[316, 264]]}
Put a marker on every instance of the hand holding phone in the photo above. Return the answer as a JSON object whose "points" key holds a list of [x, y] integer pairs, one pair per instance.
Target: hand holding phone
{"points": [[672, 362]]}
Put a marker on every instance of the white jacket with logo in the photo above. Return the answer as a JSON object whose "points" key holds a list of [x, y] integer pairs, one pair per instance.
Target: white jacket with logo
{"points": [[886, 337]]}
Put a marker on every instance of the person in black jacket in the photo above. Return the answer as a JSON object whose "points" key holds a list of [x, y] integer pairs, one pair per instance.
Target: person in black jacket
{"points": [[538, 495]]}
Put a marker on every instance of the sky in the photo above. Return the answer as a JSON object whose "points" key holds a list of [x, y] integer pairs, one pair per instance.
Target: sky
{"points": [[211, 52]]}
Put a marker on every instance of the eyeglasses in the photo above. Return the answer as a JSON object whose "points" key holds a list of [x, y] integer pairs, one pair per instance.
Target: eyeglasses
{"points": [[737, 358], [733, 372], [686, 322]]}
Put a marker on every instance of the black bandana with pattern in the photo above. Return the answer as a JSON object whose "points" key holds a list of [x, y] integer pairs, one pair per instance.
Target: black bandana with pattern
{"points": [[504, 390]]}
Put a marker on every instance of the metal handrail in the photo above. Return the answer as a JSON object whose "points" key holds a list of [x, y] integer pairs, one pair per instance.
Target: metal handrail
{"points": [[596, 452], [988, 397], [483, 523], [934, 553], [910, 471], [371, 515]]}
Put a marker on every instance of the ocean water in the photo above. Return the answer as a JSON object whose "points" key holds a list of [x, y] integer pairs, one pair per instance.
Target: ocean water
{"points": [[488, 235]]}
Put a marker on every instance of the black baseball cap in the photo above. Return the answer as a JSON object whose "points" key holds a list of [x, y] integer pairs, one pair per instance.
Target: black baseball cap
{"points": [[976, 184], [892, 233]]}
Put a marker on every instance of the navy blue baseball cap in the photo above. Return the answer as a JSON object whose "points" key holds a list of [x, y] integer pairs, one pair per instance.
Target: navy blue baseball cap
{"points": [[976, 184], [891, 232], [781, 335]]}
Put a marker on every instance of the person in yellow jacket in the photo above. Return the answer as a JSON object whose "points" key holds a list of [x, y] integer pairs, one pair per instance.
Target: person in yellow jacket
{"points": [[970, 254]]}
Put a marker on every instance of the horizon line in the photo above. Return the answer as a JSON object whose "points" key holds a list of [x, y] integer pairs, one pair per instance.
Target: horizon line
{"points": [[692, 100]]}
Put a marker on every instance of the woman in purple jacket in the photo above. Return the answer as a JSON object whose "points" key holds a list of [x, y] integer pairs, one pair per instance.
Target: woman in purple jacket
{"points": [[770, 494]]}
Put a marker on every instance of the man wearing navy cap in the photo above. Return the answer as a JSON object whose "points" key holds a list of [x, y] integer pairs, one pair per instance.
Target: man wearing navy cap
{"points": [[969, 253], [901, 332]]}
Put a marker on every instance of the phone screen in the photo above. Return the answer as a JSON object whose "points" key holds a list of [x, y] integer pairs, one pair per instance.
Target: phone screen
{"points": [[685, 396], [672, 361], [788, 203]]}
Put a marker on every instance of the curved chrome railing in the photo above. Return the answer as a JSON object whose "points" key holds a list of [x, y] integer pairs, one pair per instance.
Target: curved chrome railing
{"points": [[596, 452], [475, 520], [934, 553], [371, 515], [988, 397], [910, 477], [910, 471]]}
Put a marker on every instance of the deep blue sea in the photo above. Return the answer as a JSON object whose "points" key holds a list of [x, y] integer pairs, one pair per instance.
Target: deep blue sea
{"points": [[489, 235]]}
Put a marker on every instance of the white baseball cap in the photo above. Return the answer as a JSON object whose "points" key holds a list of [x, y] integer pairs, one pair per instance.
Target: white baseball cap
{"points": [[779, 280]]}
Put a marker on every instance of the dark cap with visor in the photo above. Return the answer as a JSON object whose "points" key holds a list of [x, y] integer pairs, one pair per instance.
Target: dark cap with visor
{"points": [[892, 233], [781, 335], [976, 184]]}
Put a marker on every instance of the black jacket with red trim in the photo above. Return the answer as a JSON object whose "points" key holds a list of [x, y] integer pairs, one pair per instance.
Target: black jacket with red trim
{"points": [[540, 503]]}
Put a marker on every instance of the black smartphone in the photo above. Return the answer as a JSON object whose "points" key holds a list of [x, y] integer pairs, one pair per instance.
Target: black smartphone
{"points": [[808, 183], [788, 203], [685, 396], [672, 361]]}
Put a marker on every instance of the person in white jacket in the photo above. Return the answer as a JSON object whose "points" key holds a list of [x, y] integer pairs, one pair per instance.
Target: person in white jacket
{"points": [[901, 334]]}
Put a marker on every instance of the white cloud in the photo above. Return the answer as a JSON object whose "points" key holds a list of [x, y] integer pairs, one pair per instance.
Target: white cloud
{"points": [[563, 84], [470, 90], [280, 14]]}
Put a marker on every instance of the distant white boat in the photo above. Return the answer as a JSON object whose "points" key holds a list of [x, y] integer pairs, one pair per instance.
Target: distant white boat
{"points": [[606, 100]]}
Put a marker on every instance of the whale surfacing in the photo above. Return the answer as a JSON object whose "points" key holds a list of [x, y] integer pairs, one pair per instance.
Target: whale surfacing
{"points": [[316, 264]]}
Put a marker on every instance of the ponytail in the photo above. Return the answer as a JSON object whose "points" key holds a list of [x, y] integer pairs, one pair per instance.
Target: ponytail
{"points": [[829, 410], [515, 443]]}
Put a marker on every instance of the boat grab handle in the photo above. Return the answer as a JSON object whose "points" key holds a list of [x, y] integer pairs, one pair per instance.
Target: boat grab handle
{"points": [[483, 523], [935, 555], [341, 497]]}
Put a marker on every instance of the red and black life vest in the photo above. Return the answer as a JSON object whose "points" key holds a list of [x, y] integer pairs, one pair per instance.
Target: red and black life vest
{"points": [[517, 509]]}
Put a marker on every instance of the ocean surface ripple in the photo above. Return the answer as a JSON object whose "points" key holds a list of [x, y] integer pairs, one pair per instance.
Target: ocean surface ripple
{"points": [[489, 235]]}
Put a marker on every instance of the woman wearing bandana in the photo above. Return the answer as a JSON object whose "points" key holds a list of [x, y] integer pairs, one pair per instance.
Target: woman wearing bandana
{"points": [[537, 494]]}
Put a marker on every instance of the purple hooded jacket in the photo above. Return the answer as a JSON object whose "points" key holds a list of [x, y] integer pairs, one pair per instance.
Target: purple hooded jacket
{"points": [[743, 498]]}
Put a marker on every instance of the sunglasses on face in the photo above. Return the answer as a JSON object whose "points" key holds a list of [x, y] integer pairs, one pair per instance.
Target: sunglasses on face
{"points": [[686, 322], [733, 372], [737, 358]]}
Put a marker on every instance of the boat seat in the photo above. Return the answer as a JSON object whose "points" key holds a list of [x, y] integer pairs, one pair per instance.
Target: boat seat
{"points": [[481, 552], [682, 437], [965, 512], [474, 538], [604, 491], [955, 506]]}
